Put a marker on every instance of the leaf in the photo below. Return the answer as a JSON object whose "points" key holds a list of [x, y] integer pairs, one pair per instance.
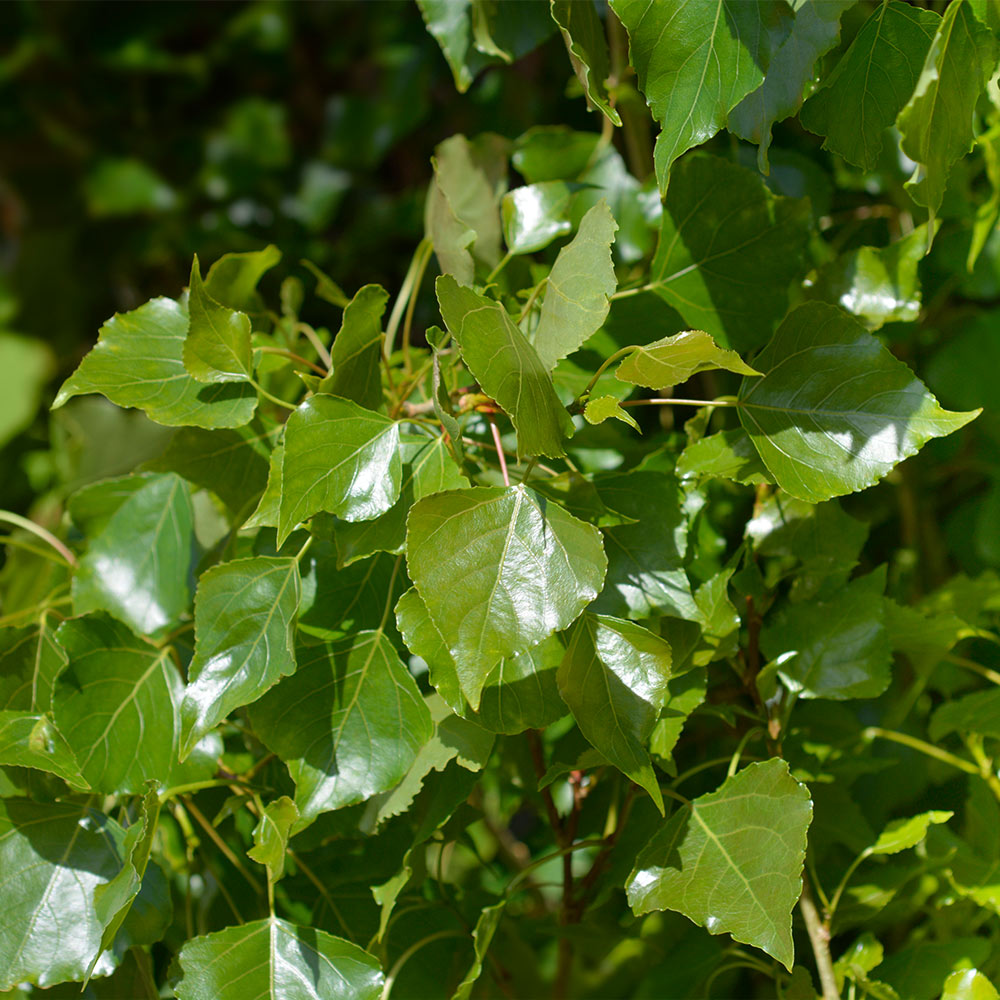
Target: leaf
{"points": [[118, 707], [902, 834], [137, 567], [270, 836], [614, 680], [696, 61], [232, 280], [423, 639], [25, 366], [138, 362], [841, 646], [534, 215], [815, 30], [579, 287], [244, 618], [728, 250], [527, 569], [583, 34], [835, 411], [348, 723], [973, 713], [729, 454], [280, 961], [869, 86], [521, 691], [30, 662], [673, 360], [732, 860], [968, 984], [482, 936], [31, 740], [604, 408], [268, 507], [217, 348], [326, 288], [507, 367], [339, 457], [936, 125], [357, 350]]}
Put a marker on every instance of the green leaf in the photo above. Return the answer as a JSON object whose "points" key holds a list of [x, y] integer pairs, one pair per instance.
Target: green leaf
{"points": [[30, 662], [270, 836], [339, 457], [244, 618], [841, 647], [482, 936], [138, 362], [31, 740], [869, 86], [507, 367], [274, 959], [729, 454], [326, 288], [614, 679], [423, 639], [936, 125], [579, 287], [732, 860], [696, 61], [268, 508], [815, 30], [348, 723], [118, 706], [583, 34], [534, 215], [673, 360], [726, 266], [217, 348], [232, 280], [137, 566], [25, 366], [968, 984], [527, 569], [835, 411], [521, 692], [902, 834], [604, 408], [357, 350], [973, 713]]}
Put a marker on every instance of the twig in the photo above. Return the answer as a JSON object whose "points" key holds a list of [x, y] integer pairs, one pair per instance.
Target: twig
{"points": [[495, 431], [819, 938], [39, 532]]}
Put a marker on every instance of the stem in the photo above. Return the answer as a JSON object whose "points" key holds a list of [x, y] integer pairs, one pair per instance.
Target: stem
{"points": [[680, 402], [273, 399], [39, 532], [292, 356], [402, 299], [986, 766], [626, 292], [875, 732], [819, 938], [961, 661], [424, 257], [531, 300], [327, 898], [194, 786], [190, 807], [503, 263], [831, 908], [528, 470], [304, 549], [605, 365], [313, 337], [495, 431], [408, 954]]}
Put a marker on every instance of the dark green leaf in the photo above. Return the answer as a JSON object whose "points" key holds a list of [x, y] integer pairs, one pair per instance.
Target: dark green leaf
{"points": [[583, 34], [521, 691], [973, 713], [357, 350], [270, 836], [482, 936], [217, 348], [30, 662], [673, 360]]}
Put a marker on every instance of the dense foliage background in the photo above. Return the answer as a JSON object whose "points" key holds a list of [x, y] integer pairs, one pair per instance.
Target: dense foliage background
{"points": [[500, 852]]}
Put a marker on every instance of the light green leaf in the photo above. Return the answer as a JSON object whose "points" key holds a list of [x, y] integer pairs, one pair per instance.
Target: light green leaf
{"points": [[604, 408], [578, 289], [31, 740], [217, 348], [902, 834], [534, 215], [118, 706], [270, 836], [614, 679], [973, 713], [841, 646], [232, 280], [673, 360], [936, 125], [25, 366], [732, 860], [423, 639], [815, 31], [583, 34], [357, 350], [527, 569], [339, 457], [137, 566], [969, 984], [348, 723], [244, 618], [696, 61], [684, 695], [729, 454], [507, 367], [726, 267], [126, 186], [869, 86], [268, 507], [276, 960], [835, 411], [917, 970], [138, 362], [482, 936]]}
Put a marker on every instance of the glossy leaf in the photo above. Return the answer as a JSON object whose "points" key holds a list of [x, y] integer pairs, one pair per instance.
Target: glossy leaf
{"points": [[528, 570], [138, 362], [31, 740], [277, 960], [534, 215], [30, 662], [835, 411], [732, 860], [357, 350], [507, 367], [348, 723], [270, 836], [614, 680], [521, 691], [583, 34], [217, 348], [729, 454], [338, 457], [244, 617], [673, 360], [968, 984], [604, 408], [696, 61]]}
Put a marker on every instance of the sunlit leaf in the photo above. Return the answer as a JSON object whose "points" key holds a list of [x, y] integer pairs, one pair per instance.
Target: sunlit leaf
{"points": [[217, 348]]}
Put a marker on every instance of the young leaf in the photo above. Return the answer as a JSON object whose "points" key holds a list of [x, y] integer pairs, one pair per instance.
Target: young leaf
{"points": [[507, 367], [357, 350], [583, 34], [244, 616], [338, 457], [614, 680], [527, 569], [272, 959], [902, 834], [729, 454], [604, 408], [138, 362], [31, 740], [732, 860], [217, 348], [270, 836], [482, 935], [835, 411], [232, 280], [673, 360], [348, 723]]}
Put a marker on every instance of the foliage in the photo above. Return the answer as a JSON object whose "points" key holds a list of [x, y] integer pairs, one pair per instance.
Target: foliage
{"points": [[606, 608]]}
